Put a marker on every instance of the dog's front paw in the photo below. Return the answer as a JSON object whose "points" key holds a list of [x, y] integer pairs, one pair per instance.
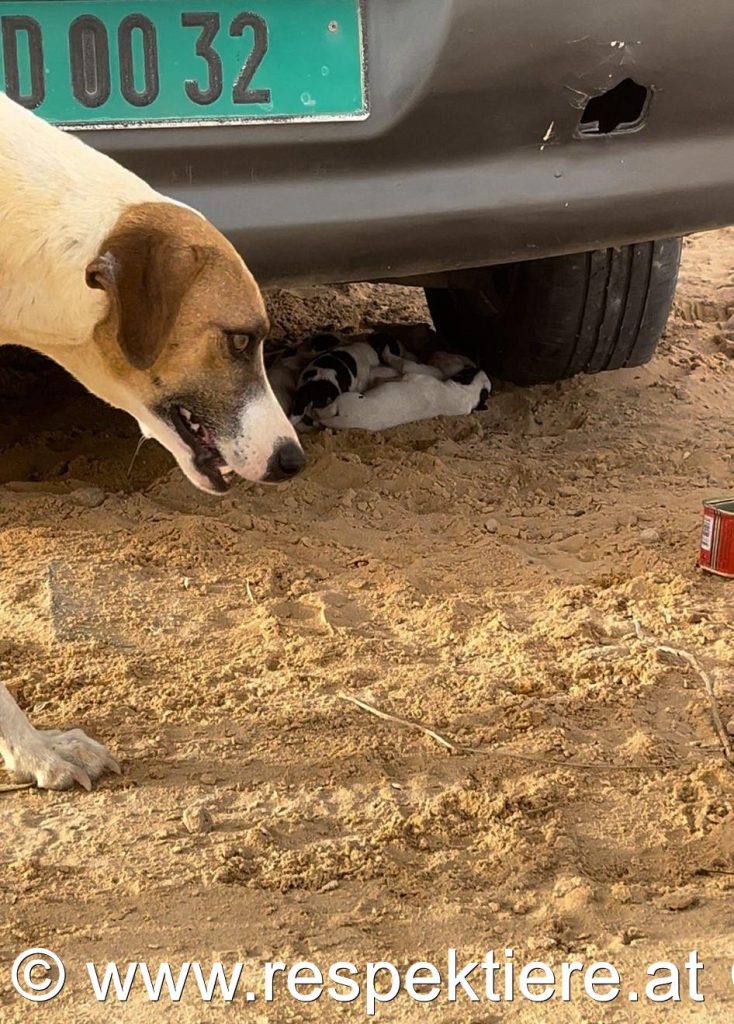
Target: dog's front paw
{"points": [[57, 760]]}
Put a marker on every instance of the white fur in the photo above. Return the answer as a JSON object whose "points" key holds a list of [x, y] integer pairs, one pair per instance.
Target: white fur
{"points": [[263, 427], [58, 201], [415, 397], [420, 370], [49, 758], [380, 374]]}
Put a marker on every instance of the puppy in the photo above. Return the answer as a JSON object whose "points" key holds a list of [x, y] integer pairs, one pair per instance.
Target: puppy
{"points": [[451, 364], [414, 397], [439, 364], [149, 306], [342, 370], [283, 374]]}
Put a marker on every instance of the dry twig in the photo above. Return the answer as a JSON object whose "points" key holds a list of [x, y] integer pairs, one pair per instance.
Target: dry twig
{"points": [[387, 717], [456, 748]]}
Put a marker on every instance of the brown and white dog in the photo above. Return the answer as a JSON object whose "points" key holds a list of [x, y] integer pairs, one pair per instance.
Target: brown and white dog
{"points": [[150, 307]]}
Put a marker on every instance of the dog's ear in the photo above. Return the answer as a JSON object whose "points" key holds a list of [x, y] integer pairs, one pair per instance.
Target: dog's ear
{"points": [[146, 275]]}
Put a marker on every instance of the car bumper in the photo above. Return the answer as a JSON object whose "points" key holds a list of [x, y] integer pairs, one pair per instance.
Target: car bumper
{"points": [[470, 155]]}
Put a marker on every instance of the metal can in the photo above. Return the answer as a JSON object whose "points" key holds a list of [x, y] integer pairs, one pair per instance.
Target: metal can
{"points": [[717, 538]]}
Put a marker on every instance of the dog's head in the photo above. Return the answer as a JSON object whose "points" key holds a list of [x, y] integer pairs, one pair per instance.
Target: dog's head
{"points": [[181, 347]]}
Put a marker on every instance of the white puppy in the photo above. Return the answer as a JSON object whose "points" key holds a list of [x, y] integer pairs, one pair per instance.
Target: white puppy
{"points": [[414, 397]]}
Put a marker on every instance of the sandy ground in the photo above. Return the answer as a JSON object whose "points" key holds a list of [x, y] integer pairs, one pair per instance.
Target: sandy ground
{"points": [[479, 576]]}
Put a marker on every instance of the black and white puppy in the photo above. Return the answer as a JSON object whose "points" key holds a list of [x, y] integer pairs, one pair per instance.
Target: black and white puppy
{"points": [[284, 367], [345, 369]]}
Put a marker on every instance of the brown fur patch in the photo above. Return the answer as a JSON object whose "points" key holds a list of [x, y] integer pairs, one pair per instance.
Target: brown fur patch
{"points": [[175, 285]]}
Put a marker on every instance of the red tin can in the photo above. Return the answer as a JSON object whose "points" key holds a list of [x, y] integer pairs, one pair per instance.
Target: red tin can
{"points": [[717, 537]]}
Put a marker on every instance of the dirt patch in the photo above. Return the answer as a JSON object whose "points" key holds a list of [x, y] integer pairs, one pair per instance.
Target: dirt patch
{"points": [[479, 576]]}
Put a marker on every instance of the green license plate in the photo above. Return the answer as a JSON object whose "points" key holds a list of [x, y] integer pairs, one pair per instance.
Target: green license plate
{"points": [[126, 64]]}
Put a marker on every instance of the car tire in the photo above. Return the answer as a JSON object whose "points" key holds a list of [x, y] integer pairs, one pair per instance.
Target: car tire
{"points": [[544, 320]]}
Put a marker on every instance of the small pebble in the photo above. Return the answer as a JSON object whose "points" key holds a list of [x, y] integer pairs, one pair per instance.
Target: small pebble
{"points": [[197, 818], [491, 526], [649, 536], [680, 901], [88, 497]]}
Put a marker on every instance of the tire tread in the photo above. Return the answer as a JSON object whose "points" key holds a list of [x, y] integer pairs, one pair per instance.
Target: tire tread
{"points": [[585, 313]]}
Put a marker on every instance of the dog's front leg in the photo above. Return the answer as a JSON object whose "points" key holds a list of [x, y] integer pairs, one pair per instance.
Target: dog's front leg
{"points": [[49, 758]]}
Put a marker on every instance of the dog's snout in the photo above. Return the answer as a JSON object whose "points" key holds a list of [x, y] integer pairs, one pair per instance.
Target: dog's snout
{"points": [[287, 460]]}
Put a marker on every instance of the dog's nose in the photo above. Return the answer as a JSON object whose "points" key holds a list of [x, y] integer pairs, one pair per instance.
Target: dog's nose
{"points": [[287, 460], [291, 459]]}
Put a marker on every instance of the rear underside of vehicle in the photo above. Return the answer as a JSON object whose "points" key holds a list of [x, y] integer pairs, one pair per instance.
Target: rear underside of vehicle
{"points": [[496, 132], [484, 135]]}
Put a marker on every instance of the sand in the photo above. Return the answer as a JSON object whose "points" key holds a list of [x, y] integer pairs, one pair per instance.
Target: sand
{"points": [[478, 576]]}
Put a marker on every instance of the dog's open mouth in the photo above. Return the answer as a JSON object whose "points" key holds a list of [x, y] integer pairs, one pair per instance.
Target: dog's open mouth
{"points": [[200, 439]]}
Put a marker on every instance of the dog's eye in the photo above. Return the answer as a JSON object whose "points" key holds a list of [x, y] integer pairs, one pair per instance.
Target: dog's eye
{"points": [[238, 342]]}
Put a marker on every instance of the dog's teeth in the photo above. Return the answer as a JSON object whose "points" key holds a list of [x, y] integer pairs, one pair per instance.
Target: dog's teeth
{"points": [[185, 413]]}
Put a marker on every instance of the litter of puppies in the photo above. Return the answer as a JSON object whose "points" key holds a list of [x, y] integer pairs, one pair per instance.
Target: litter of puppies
{"points": [[373, 381]]}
